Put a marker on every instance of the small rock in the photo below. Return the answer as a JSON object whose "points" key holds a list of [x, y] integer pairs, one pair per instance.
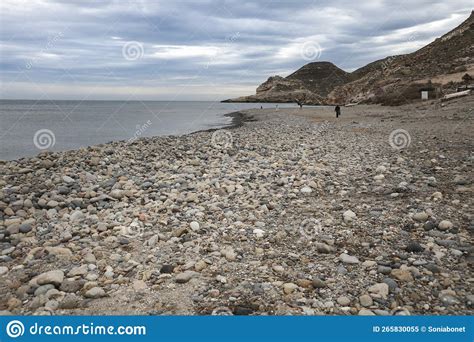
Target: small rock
{"points": [[366, 312], [3, 270], [77, 216], [348, 259], [420, 216], [380, 289], [324, 248], [78, 271], [349, 216], [343, 300], [167, 269], [318, 283], [95, 292], [194, 226], [139, 285], [289, 288], [392, 284], [402, 274], [414, 247], [25, 228], [55, 277], [366, 300], [70, 301], [445, 225], [200, 265], [68, 179], [117, 194], [185, 276], [278, 268]]}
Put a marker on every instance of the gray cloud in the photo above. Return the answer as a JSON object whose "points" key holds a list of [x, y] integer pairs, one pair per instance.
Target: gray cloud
{"points": [[64, 49]]}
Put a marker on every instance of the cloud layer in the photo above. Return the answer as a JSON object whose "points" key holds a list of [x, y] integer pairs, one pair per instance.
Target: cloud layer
{"points": [[206, 50]]}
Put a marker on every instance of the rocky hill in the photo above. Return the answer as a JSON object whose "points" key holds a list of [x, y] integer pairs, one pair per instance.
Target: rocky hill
{"points": [[279, 89], [320, 77], [309, 84], [393, 80], [397, 79]]}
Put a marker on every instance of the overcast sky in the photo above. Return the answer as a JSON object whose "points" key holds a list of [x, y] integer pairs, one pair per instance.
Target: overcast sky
{"points": [[199, 50]]}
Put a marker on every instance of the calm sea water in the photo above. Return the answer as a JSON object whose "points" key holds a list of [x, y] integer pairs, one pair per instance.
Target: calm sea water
{"points": [[74, 124]]}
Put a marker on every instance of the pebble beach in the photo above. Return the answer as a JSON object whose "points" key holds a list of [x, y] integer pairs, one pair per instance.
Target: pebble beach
{"points": [[285, 212]]}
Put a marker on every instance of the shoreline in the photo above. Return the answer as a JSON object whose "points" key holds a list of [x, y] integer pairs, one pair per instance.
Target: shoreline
{"points": [[237, 120], [269, 220]]}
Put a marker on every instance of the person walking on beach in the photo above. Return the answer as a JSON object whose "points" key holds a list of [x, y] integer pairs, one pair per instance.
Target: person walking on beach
{"points": [[338, 111]]}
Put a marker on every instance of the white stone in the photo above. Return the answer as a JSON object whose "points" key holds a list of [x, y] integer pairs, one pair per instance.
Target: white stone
{"points": [[349, 215], [68, 179], [348, 259], [445, 225], [194, 226]]}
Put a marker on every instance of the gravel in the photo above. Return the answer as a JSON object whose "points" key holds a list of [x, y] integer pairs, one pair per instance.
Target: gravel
{"points": [[290, 217]]}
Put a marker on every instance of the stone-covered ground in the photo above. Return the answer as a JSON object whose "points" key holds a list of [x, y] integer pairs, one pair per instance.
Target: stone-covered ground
{"points": [[292, 213]]}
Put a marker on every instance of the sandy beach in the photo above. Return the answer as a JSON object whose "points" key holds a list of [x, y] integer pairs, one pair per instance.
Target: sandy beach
{"points": [[287, 212]]}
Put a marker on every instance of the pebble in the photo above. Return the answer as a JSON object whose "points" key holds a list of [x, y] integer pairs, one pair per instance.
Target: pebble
{"points": [[324, 248], [25, 228], [167, 269], [366, 312], [78, 271], [349, 216], [445, 225], [185, 276], [200, 265], [234, 217], [348, 259], [194, 226], [414, 247], [366, 300], [95, 292], [3, 270], [402, 275], [77, 216], [68, 179], [289, 288], [343, 300], [54, 277], [392, 284], [420, 216], [380, 289], [318, 283]]}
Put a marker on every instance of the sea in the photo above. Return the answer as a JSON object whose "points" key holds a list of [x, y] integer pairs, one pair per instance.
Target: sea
{"points": [[27, 126]]}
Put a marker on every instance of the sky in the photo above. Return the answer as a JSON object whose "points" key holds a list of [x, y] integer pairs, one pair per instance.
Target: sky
{"points": [[198, 50]]}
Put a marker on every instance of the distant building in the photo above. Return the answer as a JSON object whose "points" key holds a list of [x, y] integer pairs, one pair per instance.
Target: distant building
{"points": [[428, 93]]}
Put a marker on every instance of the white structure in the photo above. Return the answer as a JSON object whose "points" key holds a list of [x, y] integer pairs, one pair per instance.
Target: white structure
{"points": [[424, 94]]}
